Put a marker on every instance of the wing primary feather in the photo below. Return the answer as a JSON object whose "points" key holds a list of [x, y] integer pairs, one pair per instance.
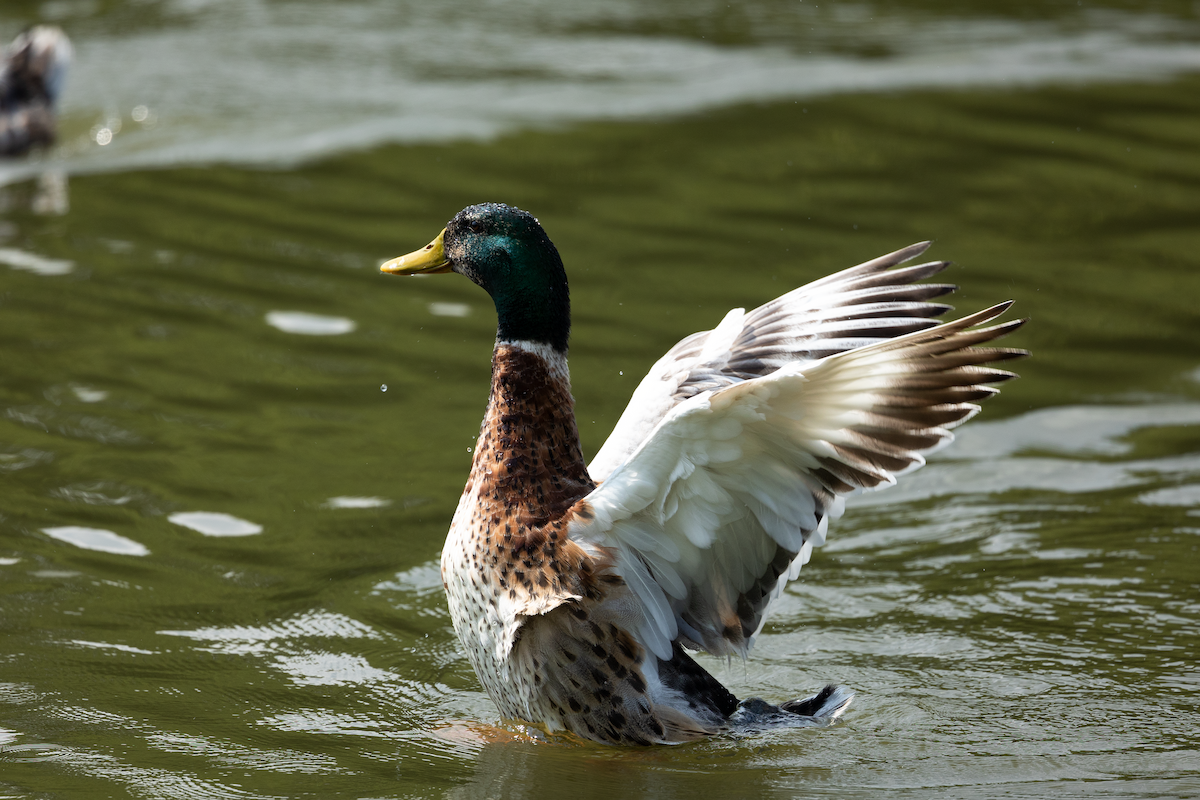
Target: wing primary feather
{"points": [[874, 265], [758, 430]]}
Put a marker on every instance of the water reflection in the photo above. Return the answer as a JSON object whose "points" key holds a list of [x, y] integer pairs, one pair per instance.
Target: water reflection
{"points": [[449, 309], [97, 539], [14, 459], [274, 82], [215, 523], [1092, 430], [257, 640], [357, 502], [302, 322], [32, 262], [1186, 496], [121, 648]]}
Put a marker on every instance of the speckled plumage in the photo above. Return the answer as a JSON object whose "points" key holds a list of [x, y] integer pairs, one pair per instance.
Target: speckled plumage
{"points": [[576, 588], [547, 622], [529, 603]]}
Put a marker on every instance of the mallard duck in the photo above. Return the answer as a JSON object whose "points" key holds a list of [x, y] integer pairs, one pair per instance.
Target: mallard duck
{"points": [[578, 590], [32, 74]]}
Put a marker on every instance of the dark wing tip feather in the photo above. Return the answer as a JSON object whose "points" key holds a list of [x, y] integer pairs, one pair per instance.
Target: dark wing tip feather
{"points": [[898, 277], [1004, 353], [946, 371], [894, 258], [875, 265], [912, 251], [905, 308], [980, 317]]}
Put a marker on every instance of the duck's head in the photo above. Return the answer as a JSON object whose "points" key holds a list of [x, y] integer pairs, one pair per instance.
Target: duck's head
{"points": [[37, 64], [504, 250]]}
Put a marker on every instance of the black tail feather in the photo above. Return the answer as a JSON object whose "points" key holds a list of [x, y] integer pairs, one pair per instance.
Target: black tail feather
{"points": [[829, 703]]}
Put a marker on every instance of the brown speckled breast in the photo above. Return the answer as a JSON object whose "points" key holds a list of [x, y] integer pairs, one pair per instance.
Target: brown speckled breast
{"points": [[542, 619], [527, 473]]}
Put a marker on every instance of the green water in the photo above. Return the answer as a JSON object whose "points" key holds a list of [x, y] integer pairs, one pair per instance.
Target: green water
{"points": [[1020, 618]]}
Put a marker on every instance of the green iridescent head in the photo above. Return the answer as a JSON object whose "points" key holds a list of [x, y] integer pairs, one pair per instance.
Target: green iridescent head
{"points": [[504, 250]]}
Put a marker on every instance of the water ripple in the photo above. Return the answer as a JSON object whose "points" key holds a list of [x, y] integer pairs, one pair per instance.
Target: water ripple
{"points": [[97, 539], [215, 523], [306, 324], [458, 70]]}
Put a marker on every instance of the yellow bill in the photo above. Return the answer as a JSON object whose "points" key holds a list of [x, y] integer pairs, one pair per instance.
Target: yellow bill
{"points": [[430, 258]]}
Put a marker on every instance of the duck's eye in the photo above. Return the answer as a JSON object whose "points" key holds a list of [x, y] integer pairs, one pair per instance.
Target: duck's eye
{"points": [[475, 226]]}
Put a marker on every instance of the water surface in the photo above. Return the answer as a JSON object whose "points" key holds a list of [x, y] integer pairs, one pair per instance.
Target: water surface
{"points": [[164, 82], [229, 449]]}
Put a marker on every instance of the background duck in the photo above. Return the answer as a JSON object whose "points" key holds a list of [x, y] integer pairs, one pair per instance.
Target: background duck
{"points": [[576, 588], [31, 80]]}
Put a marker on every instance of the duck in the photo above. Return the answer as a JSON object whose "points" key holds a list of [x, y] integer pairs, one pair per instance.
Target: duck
{"points": [[32, 73], [579, 590]]}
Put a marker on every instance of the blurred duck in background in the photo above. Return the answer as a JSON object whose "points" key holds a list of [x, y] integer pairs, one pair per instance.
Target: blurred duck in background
{"points": [[32, 75]]}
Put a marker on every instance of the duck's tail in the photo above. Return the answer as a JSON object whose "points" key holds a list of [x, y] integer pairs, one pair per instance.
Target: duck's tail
{"points": [[755, 714], [829, 703]]}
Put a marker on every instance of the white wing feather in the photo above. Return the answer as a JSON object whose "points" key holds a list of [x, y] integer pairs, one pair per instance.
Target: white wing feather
{"points": [[721, 502], [851, 308]]}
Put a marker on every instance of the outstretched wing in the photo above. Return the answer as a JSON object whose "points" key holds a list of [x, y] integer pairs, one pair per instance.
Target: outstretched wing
{"points": [[851, 308], [723, 502]]}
